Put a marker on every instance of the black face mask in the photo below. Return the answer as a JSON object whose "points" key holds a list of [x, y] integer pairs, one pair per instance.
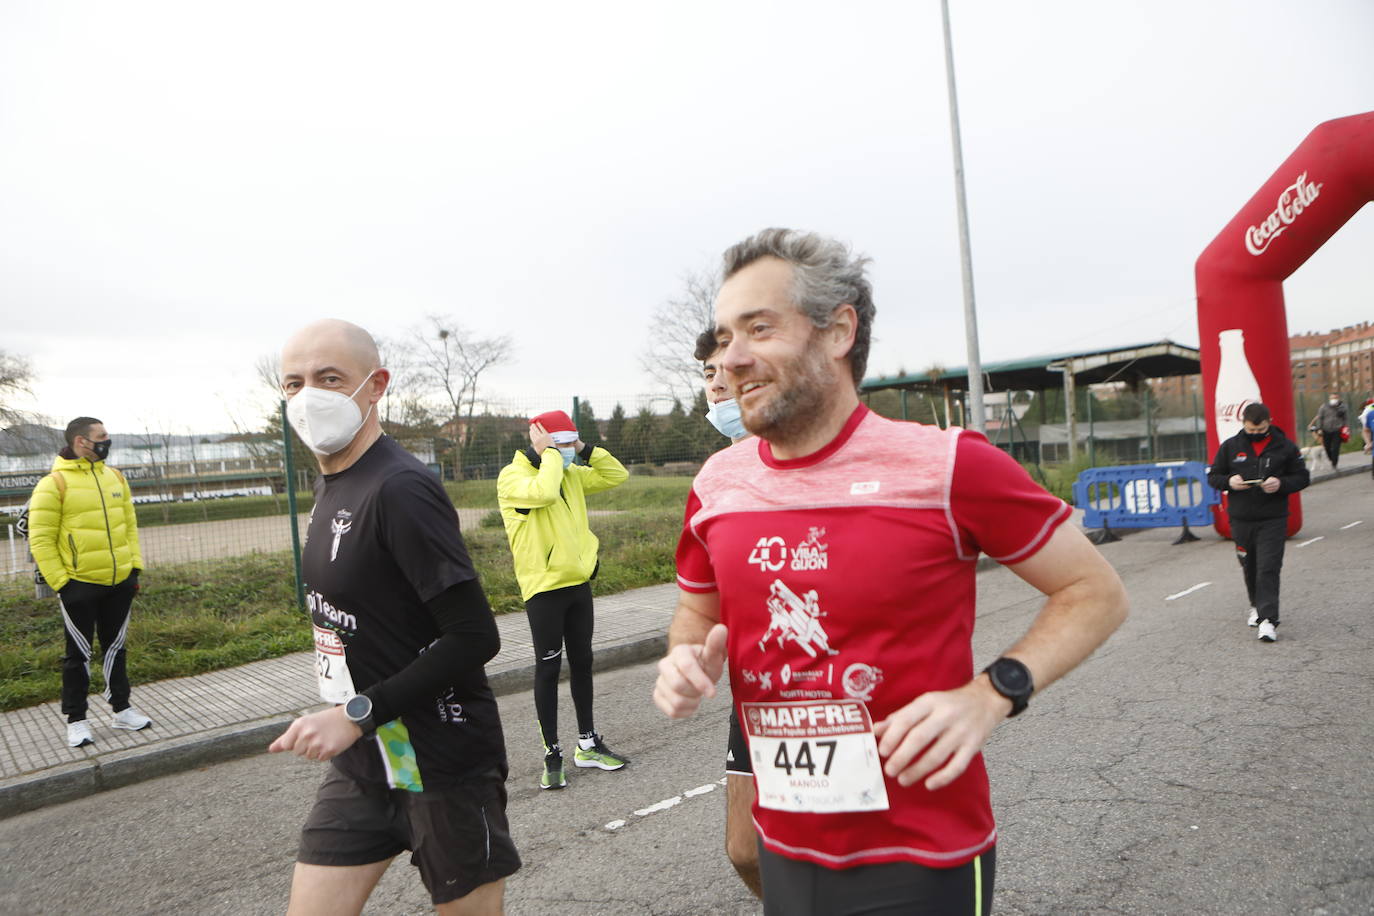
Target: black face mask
{"points": [[1257, 437], [101, 449]]}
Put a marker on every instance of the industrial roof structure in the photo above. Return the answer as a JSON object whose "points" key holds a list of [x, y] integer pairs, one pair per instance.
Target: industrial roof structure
{"points": [[1039, 373]]}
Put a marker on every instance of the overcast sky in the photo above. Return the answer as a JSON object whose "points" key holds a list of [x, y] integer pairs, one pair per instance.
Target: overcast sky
{"points": [[182, 185]]}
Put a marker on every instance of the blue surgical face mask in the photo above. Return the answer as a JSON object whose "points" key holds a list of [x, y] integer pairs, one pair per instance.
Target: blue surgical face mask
{"points": [[568, 453], [724, 416]]}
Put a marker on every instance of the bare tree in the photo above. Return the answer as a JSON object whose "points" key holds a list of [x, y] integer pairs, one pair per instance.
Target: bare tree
{"points": [[452, 362], [673, 331], [16, 379], [407, 403]]}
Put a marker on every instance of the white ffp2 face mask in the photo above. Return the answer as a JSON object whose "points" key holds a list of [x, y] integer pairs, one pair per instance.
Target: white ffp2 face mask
{"points": [[325, 420]]}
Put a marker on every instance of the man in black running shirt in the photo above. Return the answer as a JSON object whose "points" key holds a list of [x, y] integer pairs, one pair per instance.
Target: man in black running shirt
{"points": [[402, 631]]}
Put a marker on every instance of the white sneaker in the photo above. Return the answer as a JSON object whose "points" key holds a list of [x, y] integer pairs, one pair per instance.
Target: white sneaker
{"points": [[78, 733], [1267, 632], [131, 719], [1254, 618]]}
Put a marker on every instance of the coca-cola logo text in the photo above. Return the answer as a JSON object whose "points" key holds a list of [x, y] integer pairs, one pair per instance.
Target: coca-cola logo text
{"points": [[1294, 199], [1231, 413]]}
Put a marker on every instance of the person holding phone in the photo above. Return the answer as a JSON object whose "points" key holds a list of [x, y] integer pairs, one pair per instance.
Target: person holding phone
{"points": [[1257, 468]]}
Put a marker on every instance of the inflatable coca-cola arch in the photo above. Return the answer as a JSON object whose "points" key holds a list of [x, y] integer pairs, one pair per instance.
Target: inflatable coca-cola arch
{"points": [[1241, 322]]}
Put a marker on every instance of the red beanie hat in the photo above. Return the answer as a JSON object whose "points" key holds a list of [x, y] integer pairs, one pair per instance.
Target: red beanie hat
{"points": [[558, 424]]}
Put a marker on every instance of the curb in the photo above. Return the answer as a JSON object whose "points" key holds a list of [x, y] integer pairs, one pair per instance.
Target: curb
{"points": [[116, 769]]}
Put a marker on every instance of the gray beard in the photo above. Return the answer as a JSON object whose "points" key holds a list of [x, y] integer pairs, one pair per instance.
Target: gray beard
{"points": [[790, 413]]}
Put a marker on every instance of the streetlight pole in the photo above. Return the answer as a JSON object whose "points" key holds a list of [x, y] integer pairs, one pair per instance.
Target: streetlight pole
{"points": [[977, 419]]}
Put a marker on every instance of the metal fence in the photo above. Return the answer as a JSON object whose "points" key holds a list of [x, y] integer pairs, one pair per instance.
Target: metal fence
{"points": [[204, 502], [1114, 424], [198, 504]]}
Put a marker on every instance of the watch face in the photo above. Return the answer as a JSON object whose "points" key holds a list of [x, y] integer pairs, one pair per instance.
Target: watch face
{"points": [[1013, 677], [358, 707]]}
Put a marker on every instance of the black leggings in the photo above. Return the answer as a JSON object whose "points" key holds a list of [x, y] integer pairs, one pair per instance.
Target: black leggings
{"points": [[562, 616]]}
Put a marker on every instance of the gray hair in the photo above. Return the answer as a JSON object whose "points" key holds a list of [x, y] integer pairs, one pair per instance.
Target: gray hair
{"points": [[827, 275]]}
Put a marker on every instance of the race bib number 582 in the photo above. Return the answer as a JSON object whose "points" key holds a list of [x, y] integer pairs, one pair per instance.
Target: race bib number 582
{"points": [[331, 667], [818, 756]]}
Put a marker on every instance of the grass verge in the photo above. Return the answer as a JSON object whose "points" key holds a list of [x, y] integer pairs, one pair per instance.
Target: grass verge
{"points": [[206, 616]]}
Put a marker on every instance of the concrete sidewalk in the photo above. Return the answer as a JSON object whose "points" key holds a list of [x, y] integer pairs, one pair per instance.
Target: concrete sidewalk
{"points": [[238, 711]]}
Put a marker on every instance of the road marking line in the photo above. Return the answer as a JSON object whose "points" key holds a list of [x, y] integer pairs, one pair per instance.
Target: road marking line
{"points": [[1187, 591], [659, 806], [1352, 524], [1314, 540], [665, 804]]}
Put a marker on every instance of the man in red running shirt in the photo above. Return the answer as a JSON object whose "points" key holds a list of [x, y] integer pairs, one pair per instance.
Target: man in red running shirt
{"points": [[830, 560]]}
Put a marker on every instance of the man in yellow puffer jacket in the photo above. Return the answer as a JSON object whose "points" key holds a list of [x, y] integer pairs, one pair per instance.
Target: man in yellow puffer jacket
{"points": [[542, 495], [84, 537]]}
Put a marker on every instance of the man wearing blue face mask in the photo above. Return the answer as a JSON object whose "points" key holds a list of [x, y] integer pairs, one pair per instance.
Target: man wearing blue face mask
{"points": [[741, 841], [542, 496]]}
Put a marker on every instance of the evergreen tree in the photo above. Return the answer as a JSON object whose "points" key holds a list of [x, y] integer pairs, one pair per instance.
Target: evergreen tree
{"points": [[586, 424], [615, 434], [640, 435], [674, 441], [705, 437]]}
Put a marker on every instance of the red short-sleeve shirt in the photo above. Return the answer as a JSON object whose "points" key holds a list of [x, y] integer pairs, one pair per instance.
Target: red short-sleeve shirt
{"points": [[875, 539]]}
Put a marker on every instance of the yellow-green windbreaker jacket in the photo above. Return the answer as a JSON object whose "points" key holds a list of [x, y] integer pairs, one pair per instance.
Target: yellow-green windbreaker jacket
{"points": [[545, 511], [89, 533]]}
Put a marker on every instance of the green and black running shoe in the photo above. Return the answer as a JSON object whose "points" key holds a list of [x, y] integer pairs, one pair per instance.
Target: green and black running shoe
{"points": [[553, 769], [599, 755]]}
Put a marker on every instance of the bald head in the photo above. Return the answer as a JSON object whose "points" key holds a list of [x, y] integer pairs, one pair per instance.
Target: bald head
{"points": [[335, 340], [331, 354]]}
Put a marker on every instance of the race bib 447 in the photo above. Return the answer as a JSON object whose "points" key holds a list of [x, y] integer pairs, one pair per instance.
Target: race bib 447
{"points": [[818, 756]]}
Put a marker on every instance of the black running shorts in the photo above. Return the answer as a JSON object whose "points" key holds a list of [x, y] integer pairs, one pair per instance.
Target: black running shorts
{"points": [[737, 760], [893, 889], [459, 838]]}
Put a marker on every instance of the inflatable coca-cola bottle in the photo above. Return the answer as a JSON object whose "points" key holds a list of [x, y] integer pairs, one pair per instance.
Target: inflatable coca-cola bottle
{"points": [[1236, 384], [1242, 327]]}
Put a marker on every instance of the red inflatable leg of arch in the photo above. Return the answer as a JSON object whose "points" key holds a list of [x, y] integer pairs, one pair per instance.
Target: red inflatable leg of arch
{"points": [[1240, 315]]}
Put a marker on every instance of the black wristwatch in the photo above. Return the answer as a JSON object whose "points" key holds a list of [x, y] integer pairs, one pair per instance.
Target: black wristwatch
{"points": [[358, 710], [1012, 680]]}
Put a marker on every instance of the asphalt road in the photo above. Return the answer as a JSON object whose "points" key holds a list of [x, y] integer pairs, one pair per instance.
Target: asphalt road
{"points": [[1186, 768]]}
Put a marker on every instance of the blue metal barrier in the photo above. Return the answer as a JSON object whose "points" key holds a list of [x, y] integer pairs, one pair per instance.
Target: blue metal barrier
{"points": [[1146, 496]]}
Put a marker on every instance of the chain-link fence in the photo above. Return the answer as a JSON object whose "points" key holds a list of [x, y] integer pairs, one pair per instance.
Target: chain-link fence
{"points": [[202, 502], [196, 501], [1114, 424], [651, 435]]}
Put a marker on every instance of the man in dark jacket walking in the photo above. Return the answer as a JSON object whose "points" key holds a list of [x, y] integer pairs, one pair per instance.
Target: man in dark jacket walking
{"points": [[1329, 423], [1259, 467]]}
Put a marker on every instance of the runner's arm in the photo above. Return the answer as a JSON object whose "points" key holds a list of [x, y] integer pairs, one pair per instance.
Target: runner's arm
{"points": [[470, 639], [696, 655], [940, 732]]}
